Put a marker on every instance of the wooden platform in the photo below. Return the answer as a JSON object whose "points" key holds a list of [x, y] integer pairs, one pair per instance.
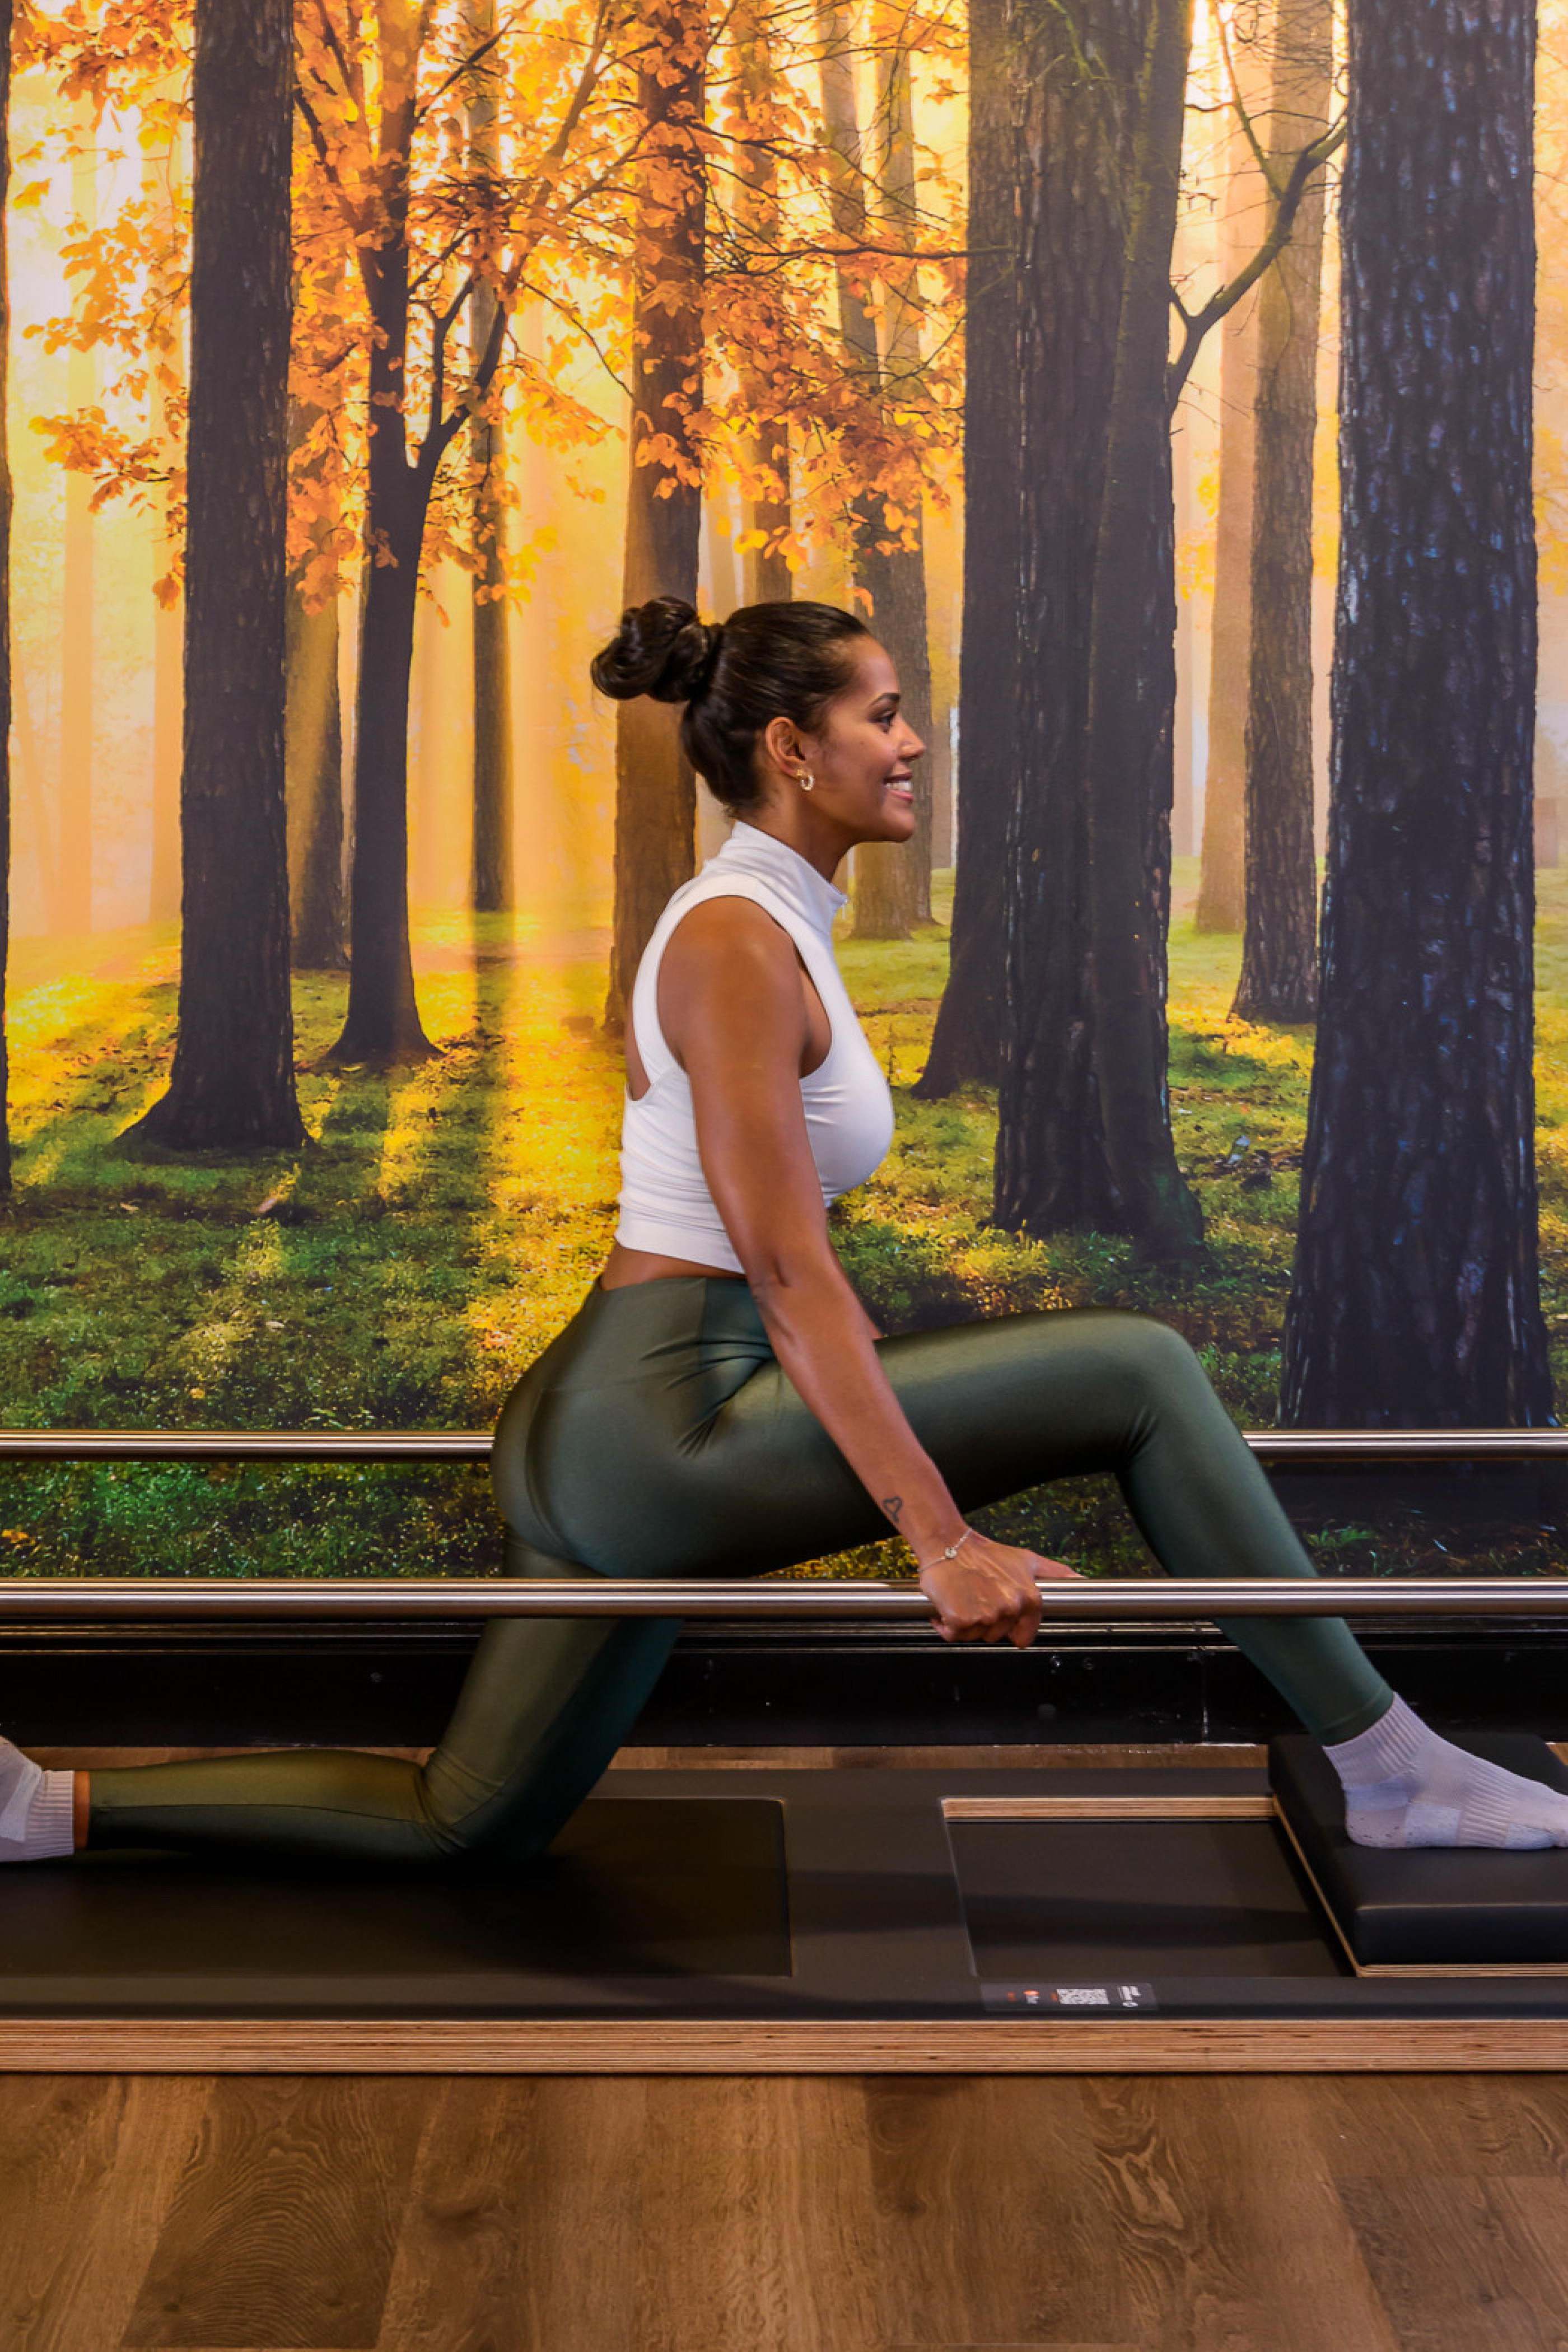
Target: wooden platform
{"points": [[881, 1916]]}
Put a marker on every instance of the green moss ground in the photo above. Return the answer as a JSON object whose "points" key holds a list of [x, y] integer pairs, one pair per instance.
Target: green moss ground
{"points": [[442, 1224]]}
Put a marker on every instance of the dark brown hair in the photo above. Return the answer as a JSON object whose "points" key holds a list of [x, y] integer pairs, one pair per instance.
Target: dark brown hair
{"points": [[765, 662]]}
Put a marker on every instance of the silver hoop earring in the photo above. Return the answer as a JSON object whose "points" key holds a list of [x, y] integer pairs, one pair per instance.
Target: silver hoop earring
{"points": [[805, 782]]}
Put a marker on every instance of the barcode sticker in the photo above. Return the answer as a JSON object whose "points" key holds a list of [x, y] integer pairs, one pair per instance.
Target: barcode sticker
{"points": [[1055, 2000]]}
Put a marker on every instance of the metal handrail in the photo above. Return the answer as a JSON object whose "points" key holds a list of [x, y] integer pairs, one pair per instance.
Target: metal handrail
{"points": [[54, 1600], [1281, 1446], [245, 1444]]}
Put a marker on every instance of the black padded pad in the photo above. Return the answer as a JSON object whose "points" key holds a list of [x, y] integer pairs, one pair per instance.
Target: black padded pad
{"points": [[632, 1887], [1139, 1899], [1427, 1907]]}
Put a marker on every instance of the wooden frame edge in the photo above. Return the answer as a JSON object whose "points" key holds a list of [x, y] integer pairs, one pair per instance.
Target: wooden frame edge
{"points": [[1243, 1808], [1148, 2045]]}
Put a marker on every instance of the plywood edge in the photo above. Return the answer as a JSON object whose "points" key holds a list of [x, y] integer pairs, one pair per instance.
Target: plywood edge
{"points": [[1248, 1808], [838, 2046]]}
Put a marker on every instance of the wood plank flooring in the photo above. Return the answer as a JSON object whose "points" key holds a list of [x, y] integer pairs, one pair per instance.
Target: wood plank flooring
{"points": [[784, 2214]]}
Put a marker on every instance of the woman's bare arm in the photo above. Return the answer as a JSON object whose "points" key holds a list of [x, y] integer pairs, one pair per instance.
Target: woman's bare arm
{"points": [[735, 1012]]}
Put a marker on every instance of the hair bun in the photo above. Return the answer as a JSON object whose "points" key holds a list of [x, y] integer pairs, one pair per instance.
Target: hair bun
{"points": [[660, 648]]}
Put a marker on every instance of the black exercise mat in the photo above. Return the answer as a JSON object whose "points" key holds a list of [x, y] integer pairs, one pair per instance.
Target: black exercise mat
{"points": [[684, 1887], [1428, 1908], [1106, 1898]]}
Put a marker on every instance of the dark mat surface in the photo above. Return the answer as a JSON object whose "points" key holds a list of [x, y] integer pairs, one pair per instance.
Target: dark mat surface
{"points": [[633, 1888], [1187, 1898], [668, 1899], [1428, 1908]]}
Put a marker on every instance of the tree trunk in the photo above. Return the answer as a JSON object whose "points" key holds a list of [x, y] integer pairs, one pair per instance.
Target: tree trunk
{"points": [[1415, 1299], [490, 876], [767, 575], [168, 690], [77, 603], [315, 789], [1132, 686], [382, 1028], [232, 1086], [656, 791], [427, 690], [886, 888], [1279, 955], [965, 1047], [1183, 834], [1077, 138], [892, 878], [5, 595], [892, 881], [1222, 874], [769, 513], [162, 176], [720, 531]]}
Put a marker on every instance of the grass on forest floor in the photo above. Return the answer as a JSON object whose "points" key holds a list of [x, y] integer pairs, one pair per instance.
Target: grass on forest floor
{"points": [[444, 1222]]}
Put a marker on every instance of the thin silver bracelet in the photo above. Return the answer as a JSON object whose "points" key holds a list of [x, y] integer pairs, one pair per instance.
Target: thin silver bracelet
{"points": [[951, 1553]]}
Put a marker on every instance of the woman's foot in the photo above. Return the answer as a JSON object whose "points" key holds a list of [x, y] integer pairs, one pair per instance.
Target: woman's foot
{"points": [[36, 1808], [1405, 1786]]}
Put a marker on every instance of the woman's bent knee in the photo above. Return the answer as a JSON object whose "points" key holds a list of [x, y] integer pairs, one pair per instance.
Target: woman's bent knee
{"points": [[1143, 1346]]}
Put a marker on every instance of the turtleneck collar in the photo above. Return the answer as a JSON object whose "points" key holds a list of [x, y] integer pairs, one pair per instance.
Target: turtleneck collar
{"points": [[797, 880]]}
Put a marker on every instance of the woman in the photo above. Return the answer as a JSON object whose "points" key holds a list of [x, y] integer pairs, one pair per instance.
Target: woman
{"points": [[721, 1402]]}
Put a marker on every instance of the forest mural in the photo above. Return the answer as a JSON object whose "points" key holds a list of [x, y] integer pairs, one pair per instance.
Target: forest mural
{"points": [[1178, 386]]}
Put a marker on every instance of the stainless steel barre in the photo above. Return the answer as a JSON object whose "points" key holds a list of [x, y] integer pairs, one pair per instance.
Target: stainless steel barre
{"points": [[1280, 1445], [56, 1599], [245, 1444]]}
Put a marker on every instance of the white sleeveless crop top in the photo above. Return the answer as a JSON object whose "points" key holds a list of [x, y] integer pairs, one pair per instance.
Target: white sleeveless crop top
{"points": [[665, 1205]]}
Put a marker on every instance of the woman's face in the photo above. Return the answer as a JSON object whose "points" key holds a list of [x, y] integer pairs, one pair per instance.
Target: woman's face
{"points": [[859, 763]]}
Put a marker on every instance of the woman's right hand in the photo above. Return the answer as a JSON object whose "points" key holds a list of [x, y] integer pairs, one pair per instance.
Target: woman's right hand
{"points": [[987, 1592]]}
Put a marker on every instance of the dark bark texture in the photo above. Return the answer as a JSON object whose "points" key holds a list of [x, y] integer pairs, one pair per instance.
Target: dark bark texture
{"points": [[4, 597], [232, 1086], [491, 863], [1415, 1299], [382, 1028], [656, 791], [1132, 686], [315, 773], [1079, 75], [164, 882], [966, 1044], [1280, 953]]}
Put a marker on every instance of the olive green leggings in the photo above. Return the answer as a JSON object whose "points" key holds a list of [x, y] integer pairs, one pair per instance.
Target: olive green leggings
{"points": [[657, 1436]]}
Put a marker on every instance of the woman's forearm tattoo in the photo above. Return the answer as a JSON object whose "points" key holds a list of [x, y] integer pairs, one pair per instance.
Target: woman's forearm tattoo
{"points": [[894, 1506]]}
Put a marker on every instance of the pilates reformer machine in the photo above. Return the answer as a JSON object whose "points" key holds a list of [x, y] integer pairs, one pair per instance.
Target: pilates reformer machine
{"points": [[1144, 1916]]}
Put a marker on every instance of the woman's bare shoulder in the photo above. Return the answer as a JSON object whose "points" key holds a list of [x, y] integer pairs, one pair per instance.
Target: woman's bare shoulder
{"points": [[729, 971], [729, 931]]}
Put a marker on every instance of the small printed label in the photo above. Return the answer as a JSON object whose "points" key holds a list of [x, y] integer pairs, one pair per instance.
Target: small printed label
{"points": [[1048, 2000]]}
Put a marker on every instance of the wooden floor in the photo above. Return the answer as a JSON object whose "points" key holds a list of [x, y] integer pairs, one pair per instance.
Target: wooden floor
{"points": [[870, 2214]]}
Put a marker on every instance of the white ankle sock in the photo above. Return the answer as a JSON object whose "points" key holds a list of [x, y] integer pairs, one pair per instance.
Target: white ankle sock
{"points": [[36, 1808], [1405, 1786]]}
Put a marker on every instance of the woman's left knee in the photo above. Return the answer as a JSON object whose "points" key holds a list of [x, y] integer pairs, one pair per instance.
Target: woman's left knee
{"points": [[1142, 1344]]}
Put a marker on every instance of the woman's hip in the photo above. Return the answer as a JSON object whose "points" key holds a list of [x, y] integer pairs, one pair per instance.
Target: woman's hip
{"points": [[666, 1440]]}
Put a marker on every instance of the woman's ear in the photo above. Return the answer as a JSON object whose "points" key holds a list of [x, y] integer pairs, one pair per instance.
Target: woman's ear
{"points": [[783, 747]]}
